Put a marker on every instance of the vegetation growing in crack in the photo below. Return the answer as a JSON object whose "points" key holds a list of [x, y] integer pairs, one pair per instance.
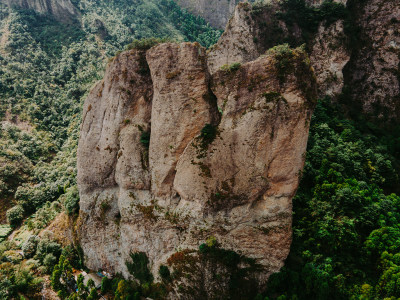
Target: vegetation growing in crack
{"points": [[345, 209], [231, 68], [139, 267], [221, 264], [207, 135]]}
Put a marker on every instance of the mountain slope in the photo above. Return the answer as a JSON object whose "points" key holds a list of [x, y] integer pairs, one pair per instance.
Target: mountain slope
{"points": [[63, 10]]}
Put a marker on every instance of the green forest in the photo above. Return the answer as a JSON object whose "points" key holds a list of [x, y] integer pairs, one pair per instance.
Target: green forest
{"points": [[346, 214]]}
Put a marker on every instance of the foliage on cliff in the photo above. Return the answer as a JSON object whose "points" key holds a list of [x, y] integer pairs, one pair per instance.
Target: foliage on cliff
{"points": [[47, 68], [346, 214]]}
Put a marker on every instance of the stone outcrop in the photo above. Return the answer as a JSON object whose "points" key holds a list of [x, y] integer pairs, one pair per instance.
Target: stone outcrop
{"points": [[329, 56], [62, 10], [363, 58], [180, 145], [254, 29], [170, 156], [372, 76]]}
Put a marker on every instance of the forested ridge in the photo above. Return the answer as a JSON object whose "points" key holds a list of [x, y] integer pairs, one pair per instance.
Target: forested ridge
{"points": [[346, 235], [47, 69]]}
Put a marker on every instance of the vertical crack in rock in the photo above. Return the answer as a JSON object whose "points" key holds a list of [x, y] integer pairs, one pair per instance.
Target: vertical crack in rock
{"points": [[180, 107], [111, 155]]}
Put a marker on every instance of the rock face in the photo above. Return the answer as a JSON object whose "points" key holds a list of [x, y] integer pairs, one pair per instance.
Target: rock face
{"points": [[170, 156], [364, 61], [254, 29], [373, 72], [329, 56], [62, 10], [216, 12], [237, 43]]}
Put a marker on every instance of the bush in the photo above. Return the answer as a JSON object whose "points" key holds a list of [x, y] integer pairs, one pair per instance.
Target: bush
{"points": [[45, 247], [145, 44], [145, 139], [164, 272], [232, 67], [208, 134], [139, 267], [49, 261], [15, 215], [29, 247], [105, 285], [71, 201]]}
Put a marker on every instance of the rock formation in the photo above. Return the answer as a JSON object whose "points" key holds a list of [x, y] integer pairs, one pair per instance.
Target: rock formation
{"points": [[372, 76], [360, 53], [254, 29], [62, 10], [170, 156]]}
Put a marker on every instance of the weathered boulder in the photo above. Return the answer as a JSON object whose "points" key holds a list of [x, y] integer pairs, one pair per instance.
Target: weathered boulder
{"points": [[223, 160]]}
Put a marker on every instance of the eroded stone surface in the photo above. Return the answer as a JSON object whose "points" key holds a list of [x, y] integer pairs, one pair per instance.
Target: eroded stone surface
{"points": [[373, 73], [254, 29], [236, 186]]}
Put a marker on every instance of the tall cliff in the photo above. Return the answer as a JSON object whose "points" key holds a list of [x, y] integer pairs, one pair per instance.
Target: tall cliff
{"points": [[184, 150], [62, 10], [354, 50], [170, 156]]}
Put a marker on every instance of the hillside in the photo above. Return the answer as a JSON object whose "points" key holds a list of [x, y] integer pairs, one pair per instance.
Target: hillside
{"points": [[138, 141], [49, 66]]}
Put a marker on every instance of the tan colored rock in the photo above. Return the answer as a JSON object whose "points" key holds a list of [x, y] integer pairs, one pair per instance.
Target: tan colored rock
{"points": [[373, 73], [182, 105], [237, 187], [111, 156], [249, 173], [117, 112], [237, 42], [329, 56], [254, 29]]}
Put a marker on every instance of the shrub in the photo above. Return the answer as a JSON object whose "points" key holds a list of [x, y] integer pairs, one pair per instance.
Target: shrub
{"points": [[145, 44], [29, 247], [71, 201], [49, 261], [164, 272], [93, 295], [105, 285], [45, 247], [15, 215], [139, 267], [208, 134], [232, 67], [73, 255], [145, 139]]}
